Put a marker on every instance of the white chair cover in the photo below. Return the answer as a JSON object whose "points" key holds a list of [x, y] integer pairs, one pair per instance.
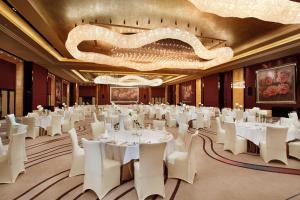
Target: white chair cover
{"points": [[275, 146], [55, 127], [32, 129], [149, 172], [77, 166], [100, 174], [98, 128], [12, 164], [220, 131], [159, 124], [234, 143], [183, 165]]}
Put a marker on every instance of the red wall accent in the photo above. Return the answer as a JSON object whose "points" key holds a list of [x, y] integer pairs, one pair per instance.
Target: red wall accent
{"points": [[104, 94], [210, 91], [39, 85], [7, 75], [227, 89], [192, 99], [250, 77], [157, 92], [144, 95], [85, 91]]}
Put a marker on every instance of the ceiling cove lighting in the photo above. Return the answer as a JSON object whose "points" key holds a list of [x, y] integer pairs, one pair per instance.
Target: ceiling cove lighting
{"points": [[129, 80], [280, 11], [85, 32]]}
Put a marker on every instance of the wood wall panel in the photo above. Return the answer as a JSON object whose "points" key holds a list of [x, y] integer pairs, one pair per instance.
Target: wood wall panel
{"points": [[39, 86], [210, 90], [7, 75]]}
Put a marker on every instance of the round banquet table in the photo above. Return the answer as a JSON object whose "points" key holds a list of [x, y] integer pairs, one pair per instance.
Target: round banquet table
{"points": [[123, 145]]}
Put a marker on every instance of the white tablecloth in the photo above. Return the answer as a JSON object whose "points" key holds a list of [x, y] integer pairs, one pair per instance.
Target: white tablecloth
{"points": [[256, 132], [123, 145]]}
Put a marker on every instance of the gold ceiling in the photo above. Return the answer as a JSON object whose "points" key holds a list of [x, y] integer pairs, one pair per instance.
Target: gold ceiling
{"points": [[54, 19]]}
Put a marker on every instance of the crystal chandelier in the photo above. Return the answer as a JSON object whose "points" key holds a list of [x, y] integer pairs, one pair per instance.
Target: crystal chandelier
{"points": [[129, 80], [280, 11], [211, 58]]}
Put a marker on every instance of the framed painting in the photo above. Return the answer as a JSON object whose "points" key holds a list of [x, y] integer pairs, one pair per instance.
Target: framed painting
{"points": [[124, 94], [276, 85]]}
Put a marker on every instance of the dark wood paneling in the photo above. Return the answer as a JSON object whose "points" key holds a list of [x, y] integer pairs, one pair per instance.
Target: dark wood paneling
{"points": [[227, 89], [158, 92], [87, 91], [144, 95], [210, 89], [7, 75], [39, 85]]}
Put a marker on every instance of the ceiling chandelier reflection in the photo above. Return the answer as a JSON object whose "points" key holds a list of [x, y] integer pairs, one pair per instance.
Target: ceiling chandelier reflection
{"points": [[86, 32], [129, 80], [280, 11]]}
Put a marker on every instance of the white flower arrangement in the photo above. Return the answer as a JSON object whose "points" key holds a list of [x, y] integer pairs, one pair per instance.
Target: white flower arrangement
{"points": [[40, 108]]}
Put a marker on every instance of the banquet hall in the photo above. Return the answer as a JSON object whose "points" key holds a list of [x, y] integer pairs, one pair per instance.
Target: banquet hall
{"points": [[149, 99]]}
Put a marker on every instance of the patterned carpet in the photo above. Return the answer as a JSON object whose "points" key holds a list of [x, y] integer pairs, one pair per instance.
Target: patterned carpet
{"points": [[221, 175]]}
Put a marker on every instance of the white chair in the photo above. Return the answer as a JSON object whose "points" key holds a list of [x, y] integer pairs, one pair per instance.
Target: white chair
{"points": [[11, 121], [12, 164], [128, 123], [68, 122], [158, 114], [141, 119], [275, 146], [98, 128], [183, 165], [77, 167], [171, 120], [181, 139], [234, 143], [294, 149], [286, 121], [149, 171], [220, 132], [55, 127], [151, 113], [228, 118], [199, 122], [32, 130], [159, 124], [100, 174], [239, 115], [251, 118], [95, 117]]}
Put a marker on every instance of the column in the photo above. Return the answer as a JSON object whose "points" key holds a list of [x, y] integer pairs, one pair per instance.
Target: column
{"points": [[19, 88], [198, 92], [166, 94], [238, 85], [177, 94]]}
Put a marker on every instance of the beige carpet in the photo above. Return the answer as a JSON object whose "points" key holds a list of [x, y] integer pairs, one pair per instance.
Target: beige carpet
{"points": [[221, 175]]}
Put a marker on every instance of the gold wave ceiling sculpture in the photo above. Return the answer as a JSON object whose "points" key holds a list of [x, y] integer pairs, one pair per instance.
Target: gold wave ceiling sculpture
{"points": [[128, 80], [280, 11], [87, 32]]}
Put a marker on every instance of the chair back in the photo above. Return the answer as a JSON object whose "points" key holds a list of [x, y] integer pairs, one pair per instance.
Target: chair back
{"points": [[276, 138], [182, 130], [251, 118], [228, 118], [16, 148], [141, 119], [56, 123], [74, 140], [159, 124], [95, 117], [219, 127], [151, 159], [230, 132], [286, 121], [239, 114], [93, 155], [98, 128], [30, 122]]}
